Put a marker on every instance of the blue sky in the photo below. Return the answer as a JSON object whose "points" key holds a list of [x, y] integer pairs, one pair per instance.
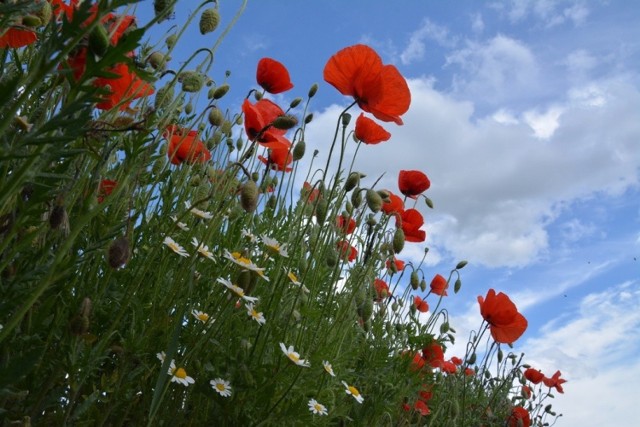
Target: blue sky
{"points": [[525, 117]]}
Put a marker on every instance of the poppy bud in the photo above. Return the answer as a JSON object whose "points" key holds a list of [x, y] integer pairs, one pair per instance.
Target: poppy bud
{"points": [[348, 207], [415, 280], [119, 252], [385, 195], [249, 196], [221, 91], [209, 20], [164, 96], [157, 60], [321, 211], [203, 191], [163, 8], [188, 109], [398, 240], [428, 202], [500, 355], [298, 150], [308, 119], [216, 118], [423, 285], [472, 359], [457, 285], [444, 327], [45, 12], [371, 220], [295, 103], [192, 81], [31, 21], [374, 201], [313, 90], [332, 258], [272, 202], [548, 408], [365, 309], [99, 40], [346, 119], [352, 181], [257, 95], [285, 122], [461, 265]]}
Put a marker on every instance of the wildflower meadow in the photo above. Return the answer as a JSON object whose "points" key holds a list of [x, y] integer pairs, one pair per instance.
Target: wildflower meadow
{"points": [[173, 252]]}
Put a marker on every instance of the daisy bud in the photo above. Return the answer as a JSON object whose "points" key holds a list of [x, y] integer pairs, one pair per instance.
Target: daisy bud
{"points": [[313, 90], [119, 252], [374, 201], [249, 196], [157, 60], [221, 91], [295, 103], [398, 240], [285, 122], [192, 81], [216, 118], [209, 20], [346, 119], [99, 40], [299, 150], [428, 202], [415, 280], [457, 285], [461, 265], [308, 119], [356, 198], [171, 40], [31, 21], [352, 181]]}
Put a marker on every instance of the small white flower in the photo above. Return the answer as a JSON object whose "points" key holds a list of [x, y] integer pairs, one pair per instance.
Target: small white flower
{"points": [[245, 263], [175, 247], [161, 356], [221, 387], [294, 279], [203, 249], [181, 225], [252, 238], [201, 316], [317, 408], [199, 213], [180, 376], [255, 315], [237, 290], [294, 356], [327, 367], [349, 389], [275, 246]]}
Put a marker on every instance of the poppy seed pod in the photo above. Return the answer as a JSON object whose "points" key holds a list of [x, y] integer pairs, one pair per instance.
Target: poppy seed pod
{"points": [[398, 240], [374, 201], [285, 122], [299, 150], [119, 252], [216, 118], [209, 20], [249, 196], [221, 91]]}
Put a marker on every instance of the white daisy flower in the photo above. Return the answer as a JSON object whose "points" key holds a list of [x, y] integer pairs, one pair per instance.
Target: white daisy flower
{"points": [[327, 367], [180, 376], [252, 238], [275, 246], [245, 263], [349, 389], [317, 408], [294, 279], [175, 247], [181, 225], [203, 249], [199, 213], [161, 356], [201, 316], [237, 290], [255, 315], [221, 387], [294, 356]]}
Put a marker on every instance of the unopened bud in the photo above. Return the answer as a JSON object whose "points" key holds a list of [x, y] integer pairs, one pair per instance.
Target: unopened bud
{"points": [[295, 103], [428, 202], [461, 265], [398, 240], [352, 181], [216, 118], [308, 119], [313, 90], [423, 285], [356, 198], [171, 41], [163, 8], [157, 60], [226, 127], [119, 252], [385, 195], [45, 13], [374, 201], [192, 81], [221, 91], [164, 96], [99, 40], [457, 286], [299, 150], [346, 119], [415, 280], [31, 21], [188, 109], [285, 122], [321, 210], [209, 20], [249, 196]]}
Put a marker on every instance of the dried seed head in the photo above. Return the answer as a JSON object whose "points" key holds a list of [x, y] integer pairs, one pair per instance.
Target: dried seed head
{"points": [[209, 20], [119, 252]]}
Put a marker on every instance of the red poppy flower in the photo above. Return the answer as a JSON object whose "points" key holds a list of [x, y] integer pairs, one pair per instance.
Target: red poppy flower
{"points": [[555, 381], [273, 76], [369, 131], [279, 159], [117, 25], [347, 251], [398, 263], [417, 362], [309, 193], [412, 183], [347, 226], [382, 290], [394, 205], [127, 86], [506, 324], [533, 375], [421, 408], [378, 89], [469, 372], [456, 361], [439, 285], [257, 123], [185, 146], [105, 189], [425, 394], [526, 392], [77, 62], [420, 304], [15, 37], [519, 417], [433, 355], [448, 367], [411, 221], [59, 6]]}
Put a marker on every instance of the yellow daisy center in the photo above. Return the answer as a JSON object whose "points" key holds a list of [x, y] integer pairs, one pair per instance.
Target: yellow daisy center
{"points": [[203, 317], [174, 247], [317, 407], [220, 387], [292, 277], [294, 357], [180, 373], [354, 390]]}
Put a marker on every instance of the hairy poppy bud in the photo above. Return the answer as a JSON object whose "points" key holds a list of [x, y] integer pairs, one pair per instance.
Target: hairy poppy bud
{"points": [[457, 285], [308, 119], [171, 41], [423, 285], [209, 20], [295, 103], [119, 252], [398, 240], [313, 90], [79, 325], [45, 12], [321, 210], [99, 40], [374, 201], [461, 264], [285, 122], [163, 8], [226, 127], [249, 196], [348, 207], [221, 91], [192, 81], [31, 21], [346, 119], [299, 150], [164, 96], [352, 181], [415, 280], [188, 109], [428, 202], [356, 198], [332, 258], [385, 195], [371, 220], [472, 359], [216, 118], [157, 60], [365, 309]]}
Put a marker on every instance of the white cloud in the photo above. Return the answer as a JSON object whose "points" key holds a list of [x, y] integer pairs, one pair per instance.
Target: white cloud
{"points": [[543, 124], [549, 12], [429, 30], [477, 23]]}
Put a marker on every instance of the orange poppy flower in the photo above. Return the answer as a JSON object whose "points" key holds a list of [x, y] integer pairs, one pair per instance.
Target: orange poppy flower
{"points": [[347, 226], [16, 37], [309, 193], [534, 375], [394, 205], [555, 381], [105, 189], [382, 290], [505, 323], [257, 124], [127, 86], [421, 408], [346, 251], [456, 361], [421, 305], [412, 183], [449, 367], [378, 89], [59, 7], [273, 76], [398, 263], [469, 372], [526, 392], [433, 354], [279, 159], [185, 146], [519, 417], [411, 221], [439, 285], [369, 131]]}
